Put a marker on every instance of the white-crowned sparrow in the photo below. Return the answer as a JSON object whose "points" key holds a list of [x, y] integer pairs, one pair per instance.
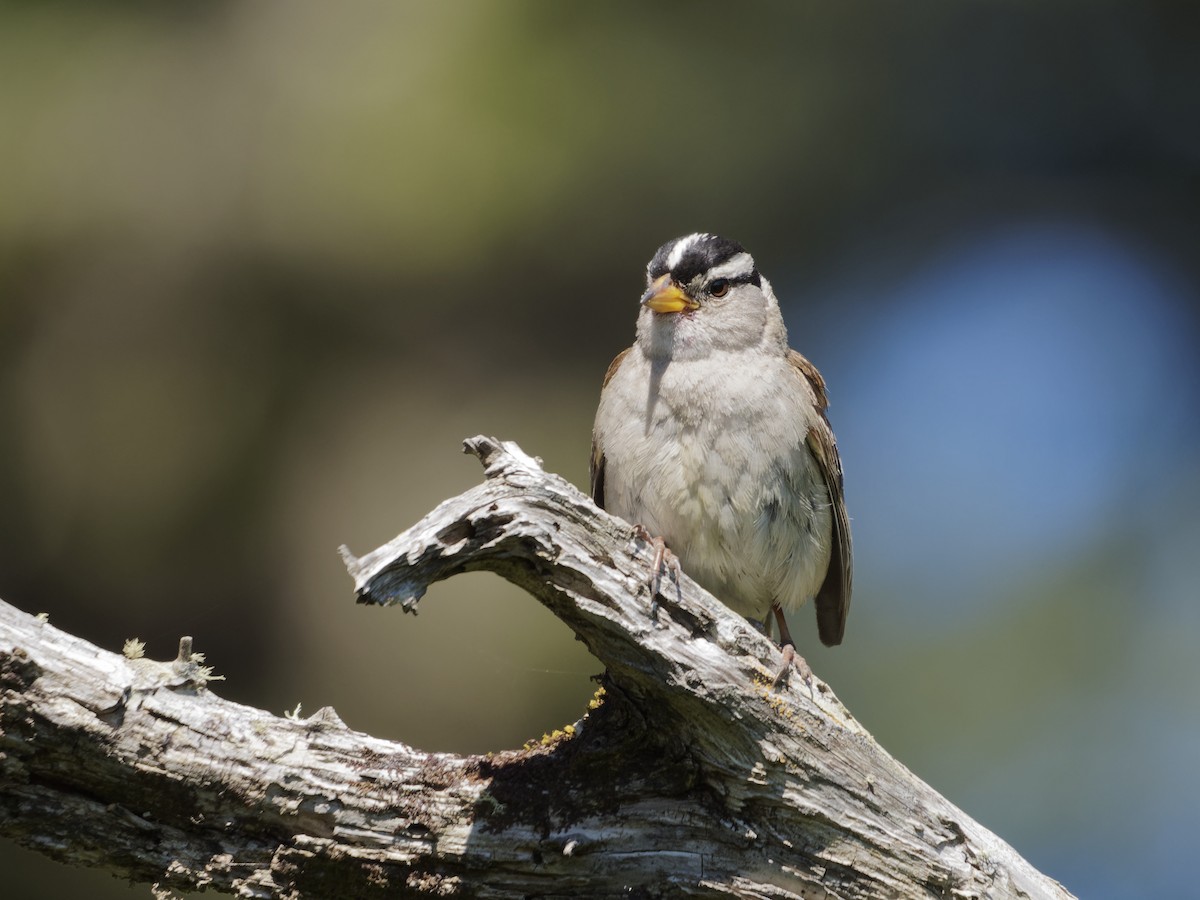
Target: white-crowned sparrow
{"points": [[711, 434]]}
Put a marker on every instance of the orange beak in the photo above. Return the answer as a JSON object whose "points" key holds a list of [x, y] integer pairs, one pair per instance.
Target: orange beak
{"points": [[665, 296]]}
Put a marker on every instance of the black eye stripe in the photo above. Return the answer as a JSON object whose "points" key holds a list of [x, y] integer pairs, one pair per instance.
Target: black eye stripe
{"points": [[735, 280]]}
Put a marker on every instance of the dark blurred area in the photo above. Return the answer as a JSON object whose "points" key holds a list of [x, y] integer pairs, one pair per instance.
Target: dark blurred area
{"points": [[263, 266]]}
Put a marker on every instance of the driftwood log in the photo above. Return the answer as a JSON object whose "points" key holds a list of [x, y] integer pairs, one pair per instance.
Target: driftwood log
{"points": [[693, 775]]}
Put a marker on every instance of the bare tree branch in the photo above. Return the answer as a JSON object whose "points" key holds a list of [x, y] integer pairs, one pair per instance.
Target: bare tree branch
{"points": [[694, 776]]}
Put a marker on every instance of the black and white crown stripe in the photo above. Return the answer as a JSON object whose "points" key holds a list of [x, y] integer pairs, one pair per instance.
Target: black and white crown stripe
{"points": [[682, 246], [703, 254], [739, 269]]}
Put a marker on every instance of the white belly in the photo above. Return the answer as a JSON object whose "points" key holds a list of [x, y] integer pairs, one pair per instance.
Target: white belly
{"points": [[690, 459]]}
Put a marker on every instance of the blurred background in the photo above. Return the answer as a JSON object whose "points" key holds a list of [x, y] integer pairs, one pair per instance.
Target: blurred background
{"points": [[264, 266]]}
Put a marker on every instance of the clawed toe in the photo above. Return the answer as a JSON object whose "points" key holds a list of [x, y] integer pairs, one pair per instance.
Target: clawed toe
{"points": [[664, 559], [792, 661]]}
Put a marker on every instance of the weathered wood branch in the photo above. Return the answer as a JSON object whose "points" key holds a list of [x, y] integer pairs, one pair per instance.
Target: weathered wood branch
{"points": [[695, 775]]}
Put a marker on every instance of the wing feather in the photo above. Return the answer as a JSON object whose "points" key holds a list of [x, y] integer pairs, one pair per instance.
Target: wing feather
{"points": [[833, 597], [596, 468]]}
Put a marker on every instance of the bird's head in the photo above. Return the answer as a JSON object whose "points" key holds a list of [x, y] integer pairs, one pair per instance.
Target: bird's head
{"points": [[705, 293]]}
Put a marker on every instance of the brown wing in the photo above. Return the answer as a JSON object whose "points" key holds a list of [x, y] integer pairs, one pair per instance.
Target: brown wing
{"points": [[833, 597], [809, 371], [597, 463]]}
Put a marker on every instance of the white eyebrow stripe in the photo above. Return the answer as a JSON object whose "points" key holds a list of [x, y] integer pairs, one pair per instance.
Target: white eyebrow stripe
{"points": [[737, 267], [681, 247]]}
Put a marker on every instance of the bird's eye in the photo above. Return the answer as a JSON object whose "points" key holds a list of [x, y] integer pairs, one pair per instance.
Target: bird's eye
{"points": [[719, 287]]}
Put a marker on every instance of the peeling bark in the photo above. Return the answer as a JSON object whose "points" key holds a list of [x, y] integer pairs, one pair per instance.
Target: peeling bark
{"points": [[694, 776]]}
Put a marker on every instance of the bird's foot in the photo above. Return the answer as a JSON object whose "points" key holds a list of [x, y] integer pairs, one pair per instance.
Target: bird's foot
{"points": [[792, 662], [791, 659], [664, 560]]}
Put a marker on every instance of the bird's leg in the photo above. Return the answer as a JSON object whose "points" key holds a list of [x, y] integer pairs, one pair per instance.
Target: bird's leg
{"points": [[786, 644], [788, 648], [663, 559]]}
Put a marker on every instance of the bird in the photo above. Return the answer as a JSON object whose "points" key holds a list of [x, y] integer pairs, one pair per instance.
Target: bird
{"points": [[711, 437]]}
